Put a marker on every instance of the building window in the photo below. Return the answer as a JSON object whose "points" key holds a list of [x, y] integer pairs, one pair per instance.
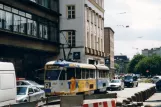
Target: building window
{"points": [[71, 12], [43, 31], [2, 18], [34, 28], [71, 39], [29, 26], [16, 25], [96, 42], [88, 40], [53, 32], [8, 21], [23, 25]]}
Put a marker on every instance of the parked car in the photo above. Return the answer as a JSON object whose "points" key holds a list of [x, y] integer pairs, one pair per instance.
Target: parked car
{"points": [[130, 81], [116, 84], [29, 82], [7, 84], [158, 85], [29, 93], [156, 78]]}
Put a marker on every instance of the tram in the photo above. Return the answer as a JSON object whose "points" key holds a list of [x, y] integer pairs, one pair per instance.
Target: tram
{"points": [[66, 78]]}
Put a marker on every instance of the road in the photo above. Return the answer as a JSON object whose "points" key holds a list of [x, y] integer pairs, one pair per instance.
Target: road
{"points": [[128, 92], [123, 94]]}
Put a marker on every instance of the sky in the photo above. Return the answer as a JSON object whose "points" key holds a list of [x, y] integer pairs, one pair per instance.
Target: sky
{"points": [[144, 20]]}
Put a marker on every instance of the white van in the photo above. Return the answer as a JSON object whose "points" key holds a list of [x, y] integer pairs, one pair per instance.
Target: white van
{"points": [[8, 88]]}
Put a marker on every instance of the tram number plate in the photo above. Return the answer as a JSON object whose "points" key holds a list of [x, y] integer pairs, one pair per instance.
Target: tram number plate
{"points": [[47, 85]]}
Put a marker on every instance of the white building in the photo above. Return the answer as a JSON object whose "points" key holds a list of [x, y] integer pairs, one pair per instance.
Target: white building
{"points": [[86, 17], [153, 51]]}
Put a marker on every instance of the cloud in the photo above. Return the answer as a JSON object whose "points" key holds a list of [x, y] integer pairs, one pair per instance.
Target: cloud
{"points": [[143, 18]]}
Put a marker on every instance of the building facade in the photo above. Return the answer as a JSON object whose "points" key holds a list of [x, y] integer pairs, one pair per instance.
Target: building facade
{"points": [[83, 24], [29, 34], [122, 61], [109, 48], [153, 51]]}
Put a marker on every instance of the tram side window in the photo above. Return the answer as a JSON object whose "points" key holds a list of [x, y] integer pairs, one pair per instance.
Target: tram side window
{"points": [[78, 73], [83, 74], [92, 73], [62, 75], [87, 73], [70, 73], [100, 74]]}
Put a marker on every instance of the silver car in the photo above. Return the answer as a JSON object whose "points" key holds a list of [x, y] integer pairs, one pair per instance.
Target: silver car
{"points": [[29, 82], [29, 93], [116, 84]]}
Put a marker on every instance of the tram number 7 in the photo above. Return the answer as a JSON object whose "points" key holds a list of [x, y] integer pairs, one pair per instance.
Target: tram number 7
{"points": [[47, 85]]}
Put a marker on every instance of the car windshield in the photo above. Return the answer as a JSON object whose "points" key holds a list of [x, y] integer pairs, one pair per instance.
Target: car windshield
{"points": [[128, 77], [155, 77], [33, 83], [21, 90], [115, 81], [52, 74]]}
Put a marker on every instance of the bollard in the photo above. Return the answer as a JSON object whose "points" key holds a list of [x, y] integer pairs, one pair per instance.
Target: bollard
{"points": [[130, 99], [137, 97], [144, 96], [133, 98], [118, 104]]}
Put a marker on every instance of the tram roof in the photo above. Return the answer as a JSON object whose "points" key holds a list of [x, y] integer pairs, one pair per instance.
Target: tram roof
{"points": [[71, 64]]}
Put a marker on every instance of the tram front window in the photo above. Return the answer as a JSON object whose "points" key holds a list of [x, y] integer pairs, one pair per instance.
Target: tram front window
{"points": [[52, 74]]}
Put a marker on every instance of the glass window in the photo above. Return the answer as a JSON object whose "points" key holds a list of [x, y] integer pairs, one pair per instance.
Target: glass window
{"points": [[92, 73], [21, 90], [14, 10], [54, 5], [7, 8], [45, 31], [29, 26], [23, 25], [62, 75], [70, 73], [8, 21], [71, 39], [83, 74], [1, 6], [34, 28], [16, 23], [31, 90], [2, 17], [87, 73], [22, 13], [40, 30], [53, 32], [52, 74], [28, 15], [78, 73], [71, 12]]}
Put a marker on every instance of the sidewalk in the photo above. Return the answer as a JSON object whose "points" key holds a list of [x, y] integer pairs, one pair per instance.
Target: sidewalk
{"points": [[154, 101]]}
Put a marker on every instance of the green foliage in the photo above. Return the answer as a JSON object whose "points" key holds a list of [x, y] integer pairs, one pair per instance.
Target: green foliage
{"points": [[153, 64], [136, 59], [117, 67]]}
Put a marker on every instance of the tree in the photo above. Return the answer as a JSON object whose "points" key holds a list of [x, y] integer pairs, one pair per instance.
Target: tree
{"points": [[151, 64], [136, 59], [117, 67]]}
